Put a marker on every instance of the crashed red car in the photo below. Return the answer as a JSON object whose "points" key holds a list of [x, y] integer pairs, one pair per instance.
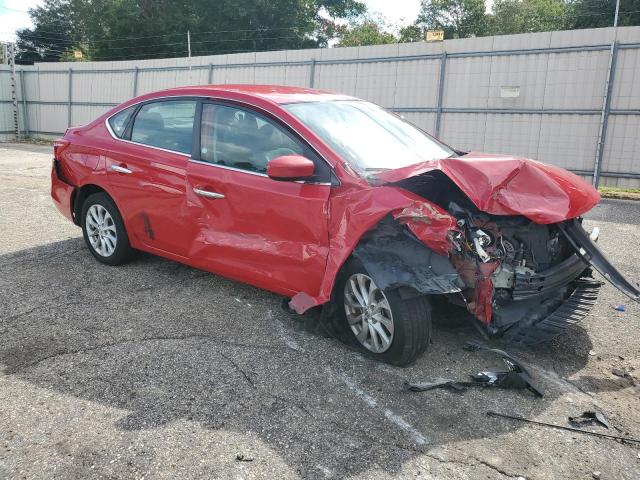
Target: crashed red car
{"points": [[330, 200]]}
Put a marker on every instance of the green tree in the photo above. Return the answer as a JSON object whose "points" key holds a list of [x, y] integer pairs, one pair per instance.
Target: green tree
{"points": [[128, 29], [369, 31], [411, 33], [458, 18], [521, 16], [53, 35], [599, 13]]}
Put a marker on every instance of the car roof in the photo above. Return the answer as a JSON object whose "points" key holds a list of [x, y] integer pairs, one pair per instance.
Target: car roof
{"points": [[276, 93]]}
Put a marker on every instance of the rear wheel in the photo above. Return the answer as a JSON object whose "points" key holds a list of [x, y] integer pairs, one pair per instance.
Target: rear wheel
{"points": [[103, 230], [389, 328]]}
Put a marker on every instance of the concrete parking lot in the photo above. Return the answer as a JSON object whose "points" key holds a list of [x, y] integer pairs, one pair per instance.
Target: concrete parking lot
{"points": [[158, 370]]}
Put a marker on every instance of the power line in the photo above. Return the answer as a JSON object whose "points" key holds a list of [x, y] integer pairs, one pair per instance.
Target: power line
{"points": [[181, 34], [193, 42], [96, 40]]}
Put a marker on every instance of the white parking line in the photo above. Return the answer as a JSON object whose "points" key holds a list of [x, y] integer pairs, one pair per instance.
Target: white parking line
{"points": [[390, 415]]}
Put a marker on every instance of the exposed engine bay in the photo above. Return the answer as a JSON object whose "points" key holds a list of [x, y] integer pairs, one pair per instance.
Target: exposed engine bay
{"points": [[521, 279]]}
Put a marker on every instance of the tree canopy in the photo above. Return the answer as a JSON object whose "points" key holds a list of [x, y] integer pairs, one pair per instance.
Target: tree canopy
{"points": [[126, 29], [365, 31]]}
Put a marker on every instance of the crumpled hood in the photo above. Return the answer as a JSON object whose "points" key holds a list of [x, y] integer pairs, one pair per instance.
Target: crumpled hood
{"points": [[506, 185]]}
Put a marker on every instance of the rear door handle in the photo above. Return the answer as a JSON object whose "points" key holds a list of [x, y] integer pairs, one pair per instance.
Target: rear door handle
{"points": [[119, 169], [207, 193]]}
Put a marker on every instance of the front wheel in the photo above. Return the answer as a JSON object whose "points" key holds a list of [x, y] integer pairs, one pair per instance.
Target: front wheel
{"points": [[386, 326], [103, 230]]}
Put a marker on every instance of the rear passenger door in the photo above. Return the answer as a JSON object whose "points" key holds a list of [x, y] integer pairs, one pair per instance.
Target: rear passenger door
{"points": [[147, 171], [245, 225]]}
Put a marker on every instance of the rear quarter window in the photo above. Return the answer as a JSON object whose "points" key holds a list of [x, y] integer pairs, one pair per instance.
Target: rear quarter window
{"points": [[118, 122]]}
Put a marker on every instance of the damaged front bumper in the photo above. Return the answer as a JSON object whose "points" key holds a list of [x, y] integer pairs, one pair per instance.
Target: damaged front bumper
{"points": [[546, 303]]}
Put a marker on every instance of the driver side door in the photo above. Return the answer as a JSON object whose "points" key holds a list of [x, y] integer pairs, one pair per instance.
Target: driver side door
{"points": [[245, 225]]}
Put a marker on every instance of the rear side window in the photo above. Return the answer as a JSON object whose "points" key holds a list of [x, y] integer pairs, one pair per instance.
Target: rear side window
{"points": [[118, 122], [167, 124]]}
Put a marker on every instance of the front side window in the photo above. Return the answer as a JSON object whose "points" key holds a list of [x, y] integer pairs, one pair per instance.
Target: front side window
{"points": [[166, 124], [368, 137], [118, 122], [238, 138]]}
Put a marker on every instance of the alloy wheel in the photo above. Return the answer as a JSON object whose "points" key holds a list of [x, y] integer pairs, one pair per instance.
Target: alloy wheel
{"points": [[101, 230], [368, 313]]}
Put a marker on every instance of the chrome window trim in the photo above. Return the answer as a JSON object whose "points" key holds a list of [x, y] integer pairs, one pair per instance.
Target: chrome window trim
{"points": [[189, 155], [226, 167]]}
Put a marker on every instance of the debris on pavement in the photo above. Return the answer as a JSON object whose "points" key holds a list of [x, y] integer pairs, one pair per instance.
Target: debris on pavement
{"points": [[562, 427], [620, 372], [445, 383], [621, 307], [516, 377], [243, 458], [588, 418]]}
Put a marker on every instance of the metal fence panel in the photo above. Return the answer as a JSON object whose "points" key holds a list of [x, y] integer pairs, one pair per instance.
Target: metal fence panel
{"points": [[626, 84], [539, 95]]}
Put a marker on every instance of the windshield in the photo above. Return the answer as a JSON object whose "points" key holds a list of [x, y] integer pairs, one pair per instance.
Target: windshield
{"points": [[368, 137]]}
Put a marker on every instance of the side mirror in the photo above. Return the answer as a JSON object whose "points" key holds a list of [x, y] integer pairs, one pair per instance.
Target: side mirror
{"points": [[290, 167]]}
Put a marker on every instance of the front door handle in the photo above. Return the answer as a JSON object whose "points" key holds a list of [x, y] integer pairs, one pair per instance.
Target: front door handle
{"points": [[207, 193], [119, 169]]}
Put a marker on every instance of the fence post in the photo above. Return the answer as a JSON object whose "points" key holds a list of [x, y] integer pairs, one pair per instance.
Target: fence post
{"points": [[14, 89], [312, 72], [135, 82], [210, 74], [69, 105], [443, 66], [604, 116], [25, 112]]}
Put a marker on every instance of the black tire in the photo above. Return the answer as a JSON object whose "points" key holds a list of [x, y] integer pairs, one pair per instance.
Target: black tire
{"points": [[411, 321], [123, 251]]}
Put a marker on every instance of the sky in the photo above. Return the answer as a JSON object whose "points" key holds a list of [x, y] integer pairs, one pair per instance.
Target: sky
{"points": [[13, 13]]}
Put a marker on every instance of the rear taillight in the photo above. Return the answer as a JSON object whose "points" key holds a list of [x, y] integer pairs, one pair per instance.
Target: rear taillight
{"points": [[58, 146]]}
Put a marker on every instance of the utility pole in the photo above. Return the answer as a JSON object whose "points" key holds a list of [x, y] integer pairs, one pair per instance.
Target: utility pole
{"points": [[11, 58], [5, 55], [189, 42]]}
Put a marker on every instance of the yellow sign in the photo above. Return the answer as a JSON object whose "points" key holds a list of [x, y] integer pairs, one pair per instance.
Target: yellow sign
{"points": [[77, 54], [435, 35]]}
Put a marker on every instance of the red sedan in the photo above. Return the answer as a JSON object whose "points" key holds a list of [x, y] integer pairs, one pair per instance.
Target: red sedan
{"points": [[333, 201]]}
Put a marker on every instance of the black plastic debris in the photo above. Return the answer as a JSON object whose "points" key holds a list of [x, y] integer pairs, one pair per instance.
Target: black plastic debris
{"points": [[589, 418], [240, 457], [516, 377], [445, 383]]}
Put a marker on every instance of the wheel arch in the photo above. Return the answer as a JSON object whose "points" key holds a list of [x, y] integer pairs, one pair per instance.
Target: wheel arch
{"points": [[80, 194]]}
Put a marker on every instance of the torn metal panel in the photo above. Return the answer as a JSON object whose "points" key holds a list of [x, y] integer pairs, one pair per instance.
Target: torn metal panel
{"points": [[353, 212], [394, 258], [429, 223], [592, 255]]}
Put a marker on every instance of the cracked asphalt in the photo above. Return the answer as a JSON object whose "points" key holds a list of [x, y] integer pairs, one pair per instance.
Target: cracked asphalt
{"points": [[157, 370]]}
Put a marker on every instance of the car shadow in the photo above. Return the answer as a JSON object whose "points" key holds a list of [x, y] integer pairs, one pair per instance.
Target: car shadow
{"points": [[165, 342]]}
